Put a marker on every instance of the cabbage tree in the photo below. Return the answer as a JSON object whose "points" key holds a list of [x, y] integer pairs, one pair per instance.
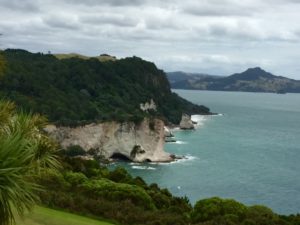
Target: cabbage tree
{"points": [[25, 152]]}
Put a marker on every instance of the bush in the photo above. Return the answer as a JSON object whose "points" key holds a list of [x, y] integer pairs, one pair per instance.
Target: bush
{"points": [[209, 209], [120, 175], [75, 178], [117, 192], [261, 215]]}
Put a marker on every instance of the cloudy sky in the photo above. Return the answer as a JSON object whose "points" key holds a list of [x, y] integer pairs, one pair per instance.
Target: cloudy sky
{"points": [[210, 36]]}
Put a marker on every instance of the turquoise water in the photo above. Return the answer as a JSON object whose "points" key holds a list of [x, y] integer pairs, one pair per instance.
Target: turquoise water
{"points": [[251, 153]]}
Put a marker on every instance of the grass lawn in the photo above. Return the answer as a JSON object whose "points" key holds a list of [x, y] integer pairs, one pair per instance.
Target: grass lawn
{"points": [[46, 216]]}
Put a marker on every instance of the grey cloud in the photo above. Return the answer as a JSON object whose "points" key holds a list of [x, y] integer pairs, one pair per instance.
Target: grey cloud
{"points": [[162, 23], [240, 31], [107, 2], [218, 36], [218, 11], [219, 8], [112, 19], [283, 1], [21, 5], [62, 22]]}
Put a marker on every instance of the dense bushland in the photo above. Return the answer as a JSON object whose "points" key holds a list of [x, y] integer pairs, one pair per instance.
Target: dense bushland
{"points": [[85, 187], [75, 91]]}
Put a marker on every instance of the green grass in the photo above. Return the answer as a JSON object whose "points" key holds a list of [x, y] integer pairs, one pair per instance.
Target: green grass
{"points": [[101, 58], [46, 216]]}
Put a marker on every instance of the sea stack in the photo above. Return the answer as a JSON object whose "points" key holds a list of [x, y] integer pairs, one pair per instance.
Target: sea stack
{"points": [[186, 123]]}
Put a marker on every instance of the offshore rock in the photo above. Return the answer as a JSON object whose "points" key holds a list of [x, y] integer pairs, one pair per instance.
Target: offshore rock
{"points": [[136, 142], [186, 123]]}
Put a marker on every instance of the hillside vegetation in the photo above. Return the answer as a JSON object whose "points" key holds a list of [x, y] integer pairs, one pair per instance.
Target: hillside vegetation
{"points": [[86, 188], [75, 91]]}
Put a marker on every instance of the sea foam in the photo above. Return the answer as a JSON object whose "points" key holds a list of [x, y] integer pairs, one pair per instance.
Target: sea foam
{"points": [[143, 168]]}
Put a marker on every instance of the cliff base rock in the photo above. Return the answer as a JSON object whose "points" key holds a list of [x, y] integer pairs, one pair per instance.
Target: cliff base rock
{"points": [[136, 142]]}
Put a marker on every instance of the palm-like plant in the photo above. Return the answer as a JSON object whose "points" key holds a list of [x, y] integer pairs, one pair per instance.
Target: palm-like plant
{"points": [[25, 151]]}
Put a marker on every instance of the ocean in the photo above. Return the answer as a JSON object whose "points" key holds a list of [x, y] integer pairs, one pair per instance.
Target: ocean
{"points": [[251, 152]]}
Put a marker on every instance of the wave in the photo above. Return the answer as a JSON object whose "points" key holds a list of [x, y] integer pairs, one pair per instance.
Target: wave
{"points": [[199, 119], [134, 163], [143, 168], [182, 160], [178, 142], [219, 114], [185, 159]]}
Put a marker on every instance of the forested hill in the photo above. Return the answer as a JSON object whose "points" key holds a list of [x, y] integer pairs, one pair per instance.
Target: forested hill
{"points": [[251, 80], [75, 91]]}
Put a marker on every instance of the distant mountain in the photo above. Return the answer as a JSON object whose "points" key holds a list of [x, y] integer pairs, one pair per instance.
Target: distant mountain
{"points": [[183, 80], [251, 80], [181, 76]]}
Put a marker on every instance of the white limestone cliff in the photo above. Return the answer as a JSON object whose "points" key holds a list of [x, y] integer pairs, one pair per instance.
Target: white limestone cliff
{"points": [[139, 143]]}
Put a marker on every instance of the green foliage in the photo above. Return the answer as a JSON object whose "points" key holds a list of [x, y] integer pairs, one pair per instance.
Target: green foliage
{"points": [[76, 91], [261, 215], [209, 209], [226, 211], [120, 175], [117, 192], [25, 152], [75, 178], [2, 65], [94, 190]]}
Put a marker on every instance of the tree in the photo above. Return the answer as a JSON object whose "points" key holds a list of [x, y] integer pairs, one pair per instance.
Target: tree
{"points": [[25, 152], [2, 65]]}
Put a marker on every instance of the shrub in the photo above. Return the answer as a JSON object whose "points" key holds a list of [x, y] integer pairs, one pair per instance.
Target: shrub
{"points": [[75, 178], [120, 175], [117, 192], [209, 209]]}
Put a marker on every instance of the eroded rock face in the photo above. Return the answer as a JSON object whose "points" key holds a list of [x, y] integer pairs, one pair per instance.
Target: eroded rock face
{"points": [[148, 106], [138, 143], [186, 123], [167, 132]]}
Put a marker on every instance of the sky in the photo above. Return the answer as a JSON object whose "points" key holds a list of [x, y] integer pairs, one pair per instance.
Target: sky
{"points": [[219, 37]]}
